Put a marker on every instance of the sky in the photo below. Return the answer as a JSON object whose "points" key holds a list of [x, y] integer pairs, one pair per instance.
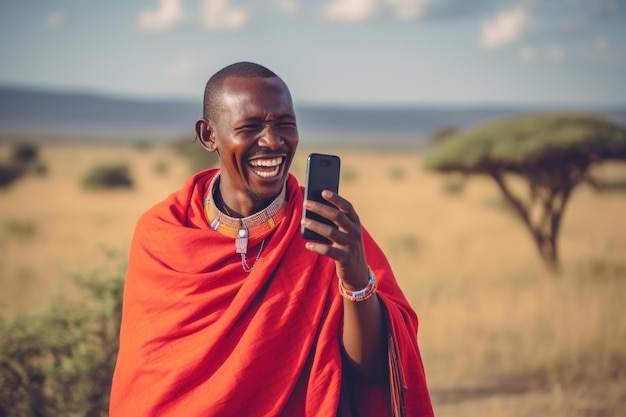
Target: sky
{"points": [[341, 52]]}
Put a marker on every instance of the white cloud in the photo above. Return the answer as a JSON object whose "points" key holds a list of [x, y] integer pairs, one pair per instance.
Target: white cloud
{"points": [[350, 10], [168, 14], [55, 20], [218, 14], [289, 7], [408, 9], [505, 28]]}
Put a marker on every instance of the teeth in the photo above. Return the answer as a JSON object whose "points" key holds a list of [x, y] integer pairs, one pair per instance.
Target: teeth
{"points": [[267, 174], [266, 162]]}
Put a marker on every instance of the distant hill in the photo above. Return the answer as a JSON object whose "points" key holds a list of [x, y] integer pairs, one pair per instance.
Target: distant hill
{"points": [[89, 116], [45, 115]]}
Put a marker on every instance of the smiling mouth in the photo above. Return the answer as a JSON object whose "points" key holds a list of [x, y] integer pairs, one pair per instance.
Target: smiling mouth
{"points": [[266, 168]]}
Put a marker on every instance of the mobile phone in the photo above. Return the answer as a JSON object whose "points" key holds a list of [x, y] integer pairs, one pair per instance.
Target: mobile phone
{"points": [[322, 173]]}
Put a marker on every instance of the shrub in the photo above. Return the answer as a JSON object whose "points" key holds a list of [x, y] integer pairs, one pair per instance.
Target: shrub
{"points": [[454, 185], [39, 169], [404, 242], [397, 173], [60, 362], [20, 229], [25, 153], [161, 167], [497, 202], [9, 173], [348, 175], [108, 176], [24, 159]]}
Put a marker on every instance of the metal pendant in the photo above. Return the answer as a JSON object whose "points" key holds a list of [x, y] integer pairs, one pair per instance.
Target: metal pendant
{"points": [[241, 242]]}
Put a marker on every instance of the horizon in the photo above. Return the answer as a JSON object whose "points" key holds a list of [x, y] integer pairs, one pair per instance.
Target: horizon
{"points": [[474, 105], [89, 117]]}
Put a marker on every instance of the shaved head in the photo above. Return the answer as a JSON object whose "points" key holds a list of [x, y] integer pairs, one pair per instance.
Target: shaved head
{"points": [[213, 87]]}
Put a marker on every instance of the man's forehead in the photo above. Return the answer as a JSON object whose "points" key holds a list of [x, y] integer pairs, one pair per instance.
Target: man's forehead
{"points": [[241, 93], [237, 84]]}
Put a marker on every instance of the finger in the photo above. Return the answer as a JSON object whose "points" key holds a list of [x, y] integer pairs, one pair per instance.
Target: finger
{"points": [[343, 257], [333, 214], [324, 210], [341, 203], [331, 233], [333, 252]]}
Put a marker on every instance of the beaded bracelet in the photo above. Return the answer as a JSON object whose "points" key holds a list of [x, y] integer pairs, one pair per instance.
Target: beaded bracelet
{"points": [[360, 295]]}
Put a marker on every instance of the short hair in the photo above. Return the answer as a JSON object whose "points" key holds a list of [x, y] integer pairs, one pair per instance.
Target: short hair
{"points": [[213, 87]]}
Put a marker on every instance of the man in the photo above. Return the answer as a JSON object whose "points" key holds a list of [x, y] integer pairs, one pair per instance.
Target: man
{"points": [[228, 311]]}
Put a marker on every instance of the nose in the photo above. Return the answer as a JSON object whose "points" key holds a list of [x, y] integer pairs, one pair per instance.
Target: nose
{"points": [[270, 138]]}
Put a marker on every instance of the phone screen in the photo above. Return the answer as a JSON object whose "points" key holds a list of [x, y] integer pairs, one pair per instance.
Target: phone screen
{"points": [[322, 173]]}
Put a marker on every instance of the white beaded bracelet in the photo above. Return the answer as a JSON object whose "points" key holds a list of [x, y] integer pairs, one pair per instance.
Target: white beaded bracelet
{"points": [[360, 295]]}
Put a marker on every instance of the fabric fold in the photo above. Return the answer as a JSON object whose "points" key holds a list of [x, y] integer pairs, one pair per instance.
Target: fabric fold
{"points": [[201, 337]]}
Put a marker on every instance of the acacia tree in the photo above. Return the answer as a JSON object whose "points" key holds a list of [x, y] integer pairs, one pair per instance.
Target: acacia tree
{"points": [[552, 152]]}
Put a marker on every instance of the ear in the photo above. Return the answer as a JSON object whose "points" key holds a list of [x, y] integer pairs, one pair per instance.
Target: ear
{"points": [[205, 135]]}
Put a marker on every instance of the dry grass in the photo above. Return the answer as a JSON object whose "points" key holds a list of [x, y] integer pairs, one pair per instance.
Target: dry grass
{"points": [[499, 336]]}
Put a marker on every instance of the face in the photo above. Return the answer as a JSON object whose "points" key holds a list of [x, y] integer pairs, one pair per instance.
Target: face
{"points": [[255, 134]]}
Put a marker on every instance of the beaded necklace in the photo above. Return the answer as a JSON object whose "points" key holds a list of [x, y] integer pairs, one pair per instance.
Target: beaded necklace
{"points": [[243, 228]]}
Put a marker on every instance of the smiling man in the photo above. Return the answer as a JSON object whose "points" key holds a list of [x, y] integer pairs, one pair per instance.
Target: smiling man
{"points": [[228, 311]]}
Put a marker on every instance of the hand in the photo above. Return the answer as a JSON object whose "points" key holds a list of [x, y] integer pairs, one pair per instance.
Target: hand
{"points": [[346, 241]]}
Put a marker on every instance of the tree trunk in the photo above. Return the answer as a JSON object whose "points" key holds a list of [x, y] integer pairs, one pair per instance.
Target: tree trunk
{"points": [[548, 252], [551, 200]]}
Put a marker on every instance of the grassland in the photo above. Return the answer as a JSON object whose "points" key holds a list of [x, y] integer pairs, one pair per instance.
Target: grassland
{"points": [[499, 336]]}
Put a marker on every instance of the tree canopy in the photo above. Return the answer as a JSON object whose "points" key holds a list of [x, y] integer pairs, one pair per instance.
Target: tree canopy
{"points": [[524, 143], [552, 152]]}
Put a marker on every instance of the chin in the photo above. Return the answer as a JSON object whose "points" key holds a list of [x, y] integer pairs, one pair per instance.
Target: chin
{"points": [[268, 192]]}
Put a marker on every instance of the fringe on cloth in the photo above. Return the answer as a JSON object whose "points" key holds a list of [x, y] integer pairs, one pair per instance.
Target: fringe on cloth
{"points": [[397, 382]]}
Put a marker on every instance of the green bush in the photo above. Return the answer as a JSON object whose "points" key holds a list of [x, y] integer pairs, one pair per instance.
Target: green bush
{"points": [[21, 229], [9, 173], [404, 242], [454, 185], [161, 167], [397, 173], [24, 159], [108, 176], [25, 153], [348, 174], [60, 362]]}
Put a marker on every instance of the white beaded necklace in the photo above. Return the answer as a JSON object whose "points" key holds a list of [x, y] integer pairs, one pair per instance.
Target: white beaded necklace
{"points": [[241, 228]]}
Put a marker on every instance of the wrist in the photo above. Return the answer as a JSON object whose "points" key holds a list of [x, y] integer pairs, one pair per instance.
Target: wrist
{"points": [[362, 294]]}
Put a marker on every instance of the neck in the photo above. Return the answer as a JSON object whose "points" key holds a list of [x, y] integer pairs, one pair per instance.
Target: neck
{"points": [[253, 225], [243, 210]]}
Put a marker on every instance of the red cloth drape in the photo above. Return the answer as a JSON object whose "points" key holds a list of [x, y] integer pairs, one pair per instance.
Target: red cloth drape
{"points": [[201, 337]]}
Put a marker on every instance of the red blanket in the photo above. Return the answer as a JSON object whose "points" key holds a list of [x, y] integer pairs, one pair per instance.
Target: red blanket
{"points": [[200, 337]]}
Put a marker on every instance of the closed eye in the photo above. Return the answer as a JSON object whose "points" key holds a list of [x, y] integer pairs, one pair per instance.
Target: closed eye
{"points": [[286, 122], [252, 127]]}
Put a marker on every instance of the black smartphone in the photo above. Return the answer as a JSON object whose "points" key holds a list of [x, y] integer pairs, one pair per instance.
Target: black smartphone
{"points": [[322, 173]]}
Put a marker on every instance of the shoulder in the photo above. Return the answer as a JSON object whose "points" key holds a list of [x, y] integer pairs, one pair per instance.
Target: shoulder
{"points": [[183, 206], [295, 192]]}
